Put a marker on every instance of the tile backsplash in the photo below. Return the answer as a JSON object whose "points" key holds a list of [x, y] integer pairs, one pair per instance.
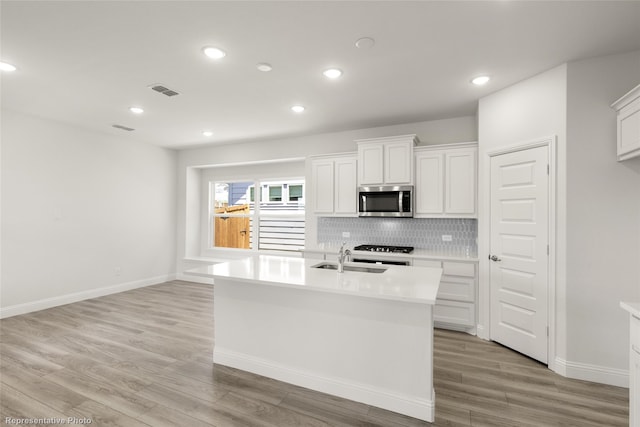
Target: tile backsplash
{"points": [[421, 233]]}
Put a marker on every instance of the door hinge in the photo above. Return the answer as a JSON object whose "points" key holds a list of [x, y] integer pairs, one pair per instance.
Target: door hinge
{"points": [[547, 169], [547, 249], [547, 331]]}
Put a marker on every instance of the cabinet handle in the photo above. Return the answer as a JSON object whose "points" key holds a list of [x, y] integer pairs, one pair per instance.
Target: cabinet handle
{"points": [[494, 258]]}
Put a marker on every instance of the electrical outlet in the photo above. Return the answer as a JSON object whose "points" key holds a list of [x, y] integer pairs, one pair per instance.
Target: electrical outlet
{"points": [[118, 271], [346, 234], [447, 238]]}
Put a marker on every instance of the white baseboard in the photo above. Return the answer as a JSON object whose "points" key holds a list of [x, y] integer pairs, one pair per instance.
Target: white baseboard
{"points": [[442, 325], [593, 373], [483, 333], [408, 405], [43, 304]]}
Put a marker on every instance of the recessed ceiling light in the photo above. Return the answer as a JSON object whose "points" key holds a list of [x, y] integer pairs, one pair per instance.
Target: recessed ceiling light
{"points": [[136, 110], [5, 66], [480, 80], [207, 133], [297, 108], [365, 43], [214, 52], [264, 67], [332, 73]]}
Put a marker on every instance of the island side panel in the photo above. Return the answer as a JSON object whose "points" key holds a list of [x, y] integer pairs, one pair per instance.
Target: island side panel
{"points": [[369, 350]]}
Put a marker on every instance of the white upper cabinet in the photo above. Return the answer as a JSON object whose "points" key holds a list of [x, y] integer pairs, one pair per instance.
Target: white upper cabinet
{"points": [[398, 162], [386, 161], [322, 185], [628, 124], [333, 185], [429, 191], [371, 164], [460, 181], [345, 190], [446, 178]]}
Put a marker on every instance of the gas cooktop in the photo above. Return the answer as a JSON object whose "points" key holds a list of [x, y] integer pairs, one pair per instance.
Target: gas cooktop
{"points": [[383, 248]]}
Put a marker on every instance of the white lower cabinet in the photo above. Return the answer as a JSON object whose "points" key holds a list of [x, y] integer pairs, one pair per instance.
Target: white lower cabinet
{"points": [[634, 374], [454, 315], [456, 304]]}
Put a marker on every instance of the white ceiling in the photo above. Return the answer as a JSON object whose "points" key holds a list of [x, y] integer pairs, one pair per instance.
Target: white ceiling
{"points": [[86, 62]]}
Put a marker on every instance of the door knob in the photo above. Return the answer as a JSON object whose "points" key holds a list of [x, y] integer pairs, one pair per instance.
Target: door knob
{"points": [[494, 258]]}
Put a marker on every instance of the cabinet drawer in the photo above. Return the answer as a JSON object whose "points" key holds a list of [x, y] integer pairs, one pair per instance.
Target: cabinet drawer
{"points": [[455, 313], [427, 263], [457, 288], [451, 268]]}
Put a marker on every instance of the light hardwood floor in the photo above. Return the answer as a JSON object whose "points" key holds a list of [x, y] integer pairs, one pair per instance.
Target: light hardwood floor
{"points": [[143, 358]]}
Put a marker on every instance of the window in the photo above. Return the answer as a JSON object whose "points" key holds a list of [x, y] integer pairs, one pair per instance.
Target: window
{"points": [[295, 192], [275, 193], [274, 222]]}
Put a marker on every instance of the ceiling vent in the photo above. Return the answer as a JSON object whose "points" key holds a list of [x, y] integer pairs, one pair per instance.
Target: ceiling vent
{"points": [[123, 128], [163, 90]]}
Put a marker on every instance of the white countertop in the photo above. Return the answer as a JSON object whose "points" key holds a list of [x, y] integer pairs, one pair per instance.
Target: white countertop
{"points": [[453, 255], [410, 284], [631, 307]]}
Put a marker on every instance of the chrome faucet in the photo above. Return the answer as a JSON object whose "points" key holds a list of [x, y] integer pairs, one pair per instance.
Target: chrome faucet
{"points": [[342, 254]]}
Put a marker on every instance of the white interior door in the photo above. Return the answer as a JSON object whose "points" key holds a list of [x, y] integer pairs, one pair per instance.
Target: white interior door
{"points": [[519, 251]]}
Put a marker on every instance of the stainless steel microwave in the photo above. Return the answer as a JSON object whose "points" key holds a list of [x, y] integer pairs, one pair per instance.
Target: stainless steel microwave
{"points": [[391, 201]]}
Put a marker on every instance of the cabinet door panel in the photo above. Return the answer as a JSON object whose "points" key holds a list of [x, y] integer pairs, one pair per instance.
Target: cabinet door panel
{"points": [[628, 109], [629, 137], [345, 187], [322, 186], [460, 189], [457, 289], [455, 313], [371, 164], [397, 163], [429, 183]]}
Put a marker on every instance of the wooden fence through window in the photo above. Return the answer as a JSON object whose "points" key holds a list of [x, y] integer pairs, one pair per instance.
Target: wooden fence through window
{"points": [[232, 231]]}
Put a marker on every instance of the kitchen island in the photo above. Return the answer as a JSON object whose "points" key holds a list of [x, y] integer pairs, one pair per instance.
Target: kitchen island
{"points": [[361, 335], [633, 308]]}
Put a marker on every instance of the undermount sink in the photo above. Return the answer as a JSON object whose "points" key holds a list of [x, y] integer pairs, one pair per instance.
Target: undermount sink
{"points": [[334, 266]]}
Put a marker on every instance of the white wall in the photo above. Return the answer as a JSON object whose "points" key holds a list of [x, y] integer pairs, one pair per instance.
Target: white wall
{"points": [[76, 206], [191, 162], [598, 206], [529, 110], [603, 214]]}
